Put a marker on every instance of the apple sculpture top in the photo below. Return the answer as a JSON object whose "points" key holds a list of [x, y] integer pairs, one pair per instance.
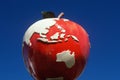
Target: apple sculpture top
{"points": [[55, 49]]}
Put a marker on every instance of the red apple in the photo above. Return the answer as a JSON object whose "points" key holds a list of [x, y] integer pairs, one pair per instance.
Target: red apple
{"points": [[55, 49]]}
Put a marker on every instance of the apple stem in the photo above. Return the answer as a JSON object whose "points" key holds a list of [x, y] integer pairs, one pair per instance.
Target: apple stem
{"points": [[60, 15]]}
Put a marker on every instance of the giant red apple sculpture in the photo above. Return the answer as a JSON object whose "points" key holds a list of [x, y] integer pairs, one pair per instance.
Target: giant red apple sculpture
{"points": [[55, 49]]}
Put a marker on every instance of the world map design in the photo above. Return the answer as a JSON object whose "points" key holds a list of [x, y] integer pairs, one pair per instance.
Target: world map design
{"points": [[66, 57], [43, 28]]}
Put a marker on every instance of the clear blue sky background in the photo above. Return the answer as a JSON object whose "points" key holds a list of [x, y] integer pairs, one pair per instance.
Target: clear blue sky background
{"points": [[100, 18]]}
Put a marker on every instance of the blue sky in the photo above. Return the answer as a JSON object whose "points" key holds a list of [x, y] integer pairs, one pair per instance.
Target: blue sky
{"points": [[100, 18]]}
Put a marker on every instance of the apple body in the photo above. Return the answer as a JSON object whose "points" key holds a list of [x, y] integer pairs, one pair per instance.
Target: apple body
{"points": [[55, 49]]}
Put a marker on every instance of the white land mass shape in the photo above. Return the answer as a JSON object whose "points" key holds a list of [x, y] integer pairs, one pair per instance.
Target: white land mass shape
{"points": [[59, 27], [62, 35], [55, 36], [66, 39], [63, 30], [41, 27], [75, 38], [68, 36], [43, 36], [47, 41], [67, 57]]}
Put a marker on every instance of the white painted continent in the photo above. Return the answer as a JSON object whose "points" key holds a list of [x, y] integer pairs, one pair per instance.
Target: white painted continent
{"points": [[67, 57], [42, 27]]}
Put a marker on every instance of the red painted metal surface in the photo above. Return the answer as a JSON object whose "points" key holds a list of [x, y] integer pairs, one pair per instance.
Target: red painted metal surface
{"points": [[59, 54]]}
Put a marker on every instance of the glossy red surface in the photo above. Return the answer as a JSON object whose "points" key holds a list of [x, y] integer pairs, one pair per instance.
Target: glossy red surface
{"points": [[41, 57]]}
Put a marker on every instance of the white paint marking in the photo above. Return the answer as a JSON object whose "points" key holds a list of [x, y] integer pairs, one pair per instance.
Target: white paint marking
{"points": [[59, 27], [42, 39], [47, 41], [66, 39], [62, 36], [75, 38], [68, 36], [59, 40], [66, 19], [63, 30], [55, 36], [67, 57], [43, 36], [41, 27]]}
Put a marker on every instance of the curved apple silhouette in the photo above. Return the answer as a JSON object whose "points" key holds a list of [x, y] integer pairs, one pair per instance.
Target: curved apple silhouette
{"points": [[55, 49]]}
